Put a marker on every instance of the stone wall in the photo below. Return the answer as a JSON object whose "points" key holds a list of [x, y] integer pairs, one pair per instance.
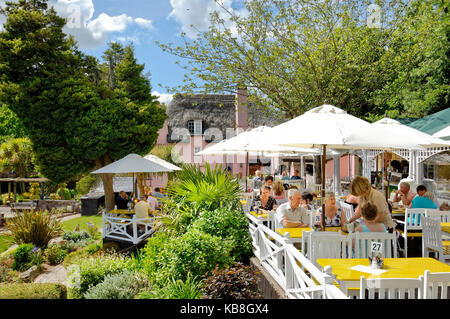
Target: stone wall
{"points": [[51, 204]]}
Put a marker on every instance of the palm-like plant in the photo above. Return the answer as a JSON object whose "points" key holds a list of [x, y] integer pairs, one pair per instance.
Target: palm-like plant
{"points": [[16, 155], [213, 186], [36, 227], [194, 190]]}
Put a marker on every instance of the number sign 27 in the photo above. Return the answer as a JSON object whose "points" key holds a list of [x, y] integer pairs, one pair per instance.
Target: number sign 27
{"points": [[376, 247]]}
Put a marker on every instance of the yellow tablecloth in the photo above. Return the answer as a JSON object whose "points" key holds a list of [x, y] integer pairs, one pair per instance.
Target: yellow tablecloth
{"points": [[297, 232], [445, 227], [294, 232], [396, 268], [262, 215], [121, 211]]}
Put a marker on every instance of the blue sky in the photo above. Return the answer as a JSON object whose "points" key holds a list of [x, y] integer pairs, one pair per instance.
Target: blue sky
{"points": [[94, 23]]}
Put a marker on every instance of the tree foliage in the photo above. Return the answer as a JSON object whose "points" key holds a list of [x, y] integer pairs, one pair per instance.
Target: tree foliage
{"points": [[75, 119], [295, 54]]}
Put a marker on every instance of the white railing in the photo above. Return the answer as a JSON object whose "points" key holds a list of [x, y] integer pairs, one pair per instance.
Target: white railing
{"points": [[293, 272], [130, 229]]}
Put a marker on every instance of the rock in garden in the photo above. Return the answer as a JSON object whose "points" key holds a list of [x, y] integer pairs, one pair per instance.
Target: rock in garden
{"points": [[30, 274]]}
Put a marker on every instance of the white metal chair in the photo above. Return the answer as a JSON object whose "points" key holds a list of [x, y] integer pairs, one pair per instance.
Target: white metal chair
{"points": [[391, 288], [326, 245], [441, 215], [362, 243], [412, 225], [432, 239], [432, 282]]}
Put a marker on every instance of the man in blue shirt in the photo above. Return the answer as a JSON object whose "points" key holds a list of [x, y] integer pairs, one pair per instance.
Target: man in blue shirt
{"points": [[296, 176], [420, 201]]}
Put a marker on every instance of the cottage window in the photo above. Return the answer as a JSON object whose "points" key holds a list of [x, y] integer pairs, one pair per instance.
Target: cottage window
{"points": [[195, 127]]}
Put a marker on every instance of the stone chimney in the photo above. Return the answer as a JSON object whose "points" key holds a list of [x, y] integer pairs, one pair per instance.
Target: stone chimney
{"points": [[241, 111]]}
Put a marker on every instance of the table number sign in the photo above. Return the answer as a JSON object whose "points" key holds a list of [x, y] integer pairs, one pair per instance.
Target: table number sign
{"points": [[376, 248]]}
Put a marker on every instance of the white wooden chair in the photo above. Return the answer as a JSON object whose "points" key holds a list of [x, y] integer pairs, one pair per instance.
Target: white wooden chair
{"points": [[347, 209], [441, 215], [432, 282], [326, 245], [362, 243], [391, 288], [412, 225], [432, 239]]}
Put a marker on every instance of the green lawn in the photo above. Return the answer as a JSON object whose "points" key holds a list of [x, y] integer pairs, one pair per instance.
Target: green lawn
{"points": [[82, 221], [5, 242]]}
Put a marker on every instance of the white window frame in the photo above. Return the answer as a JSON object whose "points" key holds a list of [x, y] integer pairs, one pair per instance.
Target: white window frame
{"points": [[197, 128]]}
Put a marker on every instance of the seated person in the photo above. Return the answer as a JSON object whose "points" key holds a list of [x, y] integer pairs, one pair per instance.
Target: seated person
{"points": [[142, 208], [352, 200], [291, 214], [333, 214], [296, 175], [268, 181], [307, 198], [257, 181], [122, 200], [284, 176], [444, 207], [278, 190], [420, 201], [153, 202], [264, 200], [369, 214], [404, 194], [158, 194]]}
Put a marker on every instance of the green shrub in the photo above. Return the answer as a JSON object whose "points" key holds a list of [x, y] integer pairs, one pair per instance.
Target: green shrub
{"points": [[229, 224], [8, 275], [237, 282], [175, 289], [86, 273], [125, 285], [34, 227], [85, 252], [54, 254], [76, 235], [33, 291], [22, 257], [195, 252]]}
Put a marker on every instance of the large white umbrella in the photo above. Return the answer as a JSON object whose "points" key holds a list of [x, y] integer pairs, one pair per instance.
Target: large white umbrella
{"points": [[444, 133], [328, 126], [392, 127], [162, 162], [252, 142]]}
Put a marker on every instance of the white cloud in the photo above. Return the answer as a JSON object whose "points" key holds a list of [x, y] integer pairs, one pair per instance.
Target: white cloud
{"points": [[89, 32], [164, 97], [197, 13]]}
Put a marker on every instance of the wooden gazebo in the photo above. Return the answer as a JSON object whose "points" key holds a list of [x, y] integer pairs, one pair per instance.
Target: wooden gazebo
{"points": [[14, 181]]}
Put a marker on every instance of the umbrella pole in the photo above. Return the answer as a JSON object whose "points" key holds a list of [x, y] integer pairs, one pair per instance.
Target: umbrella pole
{"points": [[386, 182], [324, 159], [246, 172]]}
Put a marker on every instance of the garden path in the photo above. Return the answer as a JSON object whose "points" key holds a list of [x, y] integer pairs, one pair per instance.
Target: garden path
{"points": [[56, 274]]}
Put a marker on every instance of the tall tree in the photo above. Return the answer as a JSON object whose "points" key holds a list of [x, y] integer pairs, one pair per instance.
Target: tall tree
{"points": [[76, 123], [294, 54], [424, 88]]}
